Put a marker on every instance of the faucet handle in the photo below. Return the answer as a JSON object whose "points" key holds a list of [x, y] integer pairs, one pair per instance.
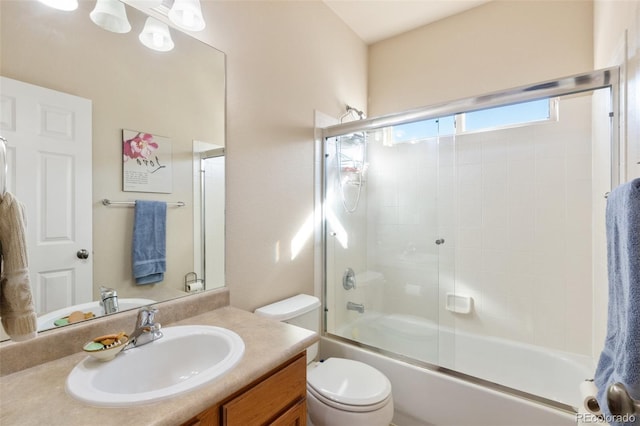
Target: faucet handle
{"points": [[151, 313], [146, 316]]}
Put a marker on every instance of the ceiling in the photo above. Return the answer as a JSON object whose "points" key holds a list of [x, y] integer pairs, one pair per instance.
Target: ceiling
{"points": [[375, 20]]}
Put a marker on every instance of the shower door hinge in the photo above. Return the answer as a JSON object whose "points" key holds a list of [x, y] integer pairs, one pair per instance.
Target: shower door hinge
{"points": [[611, 114]]}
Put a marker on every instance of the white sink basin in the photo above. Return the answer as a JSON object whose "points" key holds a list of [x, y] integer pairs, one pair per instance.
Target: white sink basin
{"points": [[47, 320], [185, 358]]}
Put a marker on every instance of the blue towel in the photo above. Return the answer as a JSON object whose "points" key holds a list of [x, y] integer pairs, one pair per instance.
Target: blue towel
{"points": [[620, 358], [149, 242]]}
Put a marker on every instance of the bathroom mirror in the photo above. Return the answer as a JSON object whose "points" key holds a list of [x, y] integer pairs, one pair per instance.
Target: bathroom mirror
{"points": [[179, 95]]}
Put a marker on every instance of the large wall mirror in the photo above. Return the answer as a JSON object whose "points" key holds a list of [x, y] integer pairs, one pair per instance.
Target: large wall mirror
{"points": [[178, 95]]}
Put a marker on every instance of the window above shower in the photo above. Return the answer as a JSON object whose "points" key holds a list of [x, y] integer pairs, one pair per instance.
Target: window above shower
{"points": [[484, 120], [502, 117]]}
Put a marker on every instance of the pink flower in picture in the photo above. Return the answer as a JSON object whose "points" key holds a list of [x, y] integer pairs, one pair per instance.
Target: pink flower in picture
{"points": [[140, 146]]}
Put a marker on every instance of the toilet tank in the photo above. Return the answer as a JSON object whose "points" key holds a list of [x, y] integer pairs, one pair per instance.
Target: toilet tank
{"points": [[302, 310]]}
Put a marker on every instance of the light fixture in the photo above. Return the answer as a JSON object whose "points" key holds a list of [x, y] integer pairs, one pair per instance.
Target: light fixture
{"points": [[155, 35], [187, 15], [111, 15], [66, 5]]}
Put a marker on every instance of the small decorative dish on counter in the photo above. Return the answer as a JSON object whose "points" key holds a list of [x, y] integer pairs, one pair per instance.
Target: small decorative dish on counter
{"points": [[105, 348], [73, 317]]}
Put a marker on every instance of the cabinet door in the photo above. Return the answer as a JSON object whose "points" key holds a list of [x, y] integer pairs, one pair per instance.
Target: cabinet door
{"points": [[295, 416], [209, 417], [269, 399]]}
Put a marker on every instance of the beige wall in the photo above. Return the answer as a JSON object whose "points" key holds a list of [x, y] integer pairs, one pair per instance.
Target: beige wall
{"points": [[285, 59], [495, 46]]}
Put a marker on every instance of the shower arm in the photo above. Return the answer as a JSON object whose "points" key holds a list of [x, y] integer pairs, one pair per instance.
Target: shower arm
{"points": [[350, 111]]}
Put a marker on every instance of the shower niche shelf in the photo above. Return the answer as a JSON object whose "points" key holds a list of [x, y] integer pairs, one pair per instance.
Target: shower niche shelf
{"points": [[459, 304]]}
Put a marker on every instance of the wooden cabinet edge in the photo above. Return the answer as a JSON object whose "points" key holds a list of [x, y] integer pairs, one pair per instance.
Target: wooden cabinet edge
{"points": [[288, 415]]}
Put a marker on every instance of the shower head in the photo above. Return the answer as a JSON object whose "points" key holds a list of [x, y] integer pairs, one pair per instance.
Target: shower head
{"points": [[353, 111], [361, 115]]}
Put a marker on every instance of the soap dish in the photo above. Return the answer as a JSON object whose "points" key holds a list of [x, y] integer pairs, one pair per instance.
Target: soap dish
{"points": [[73, 317], [105, 348]]}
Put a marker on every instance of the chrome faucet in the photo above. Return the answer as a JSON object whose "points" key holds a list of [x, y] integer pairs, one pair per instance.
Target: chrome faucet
{"points": [[146, 330], [355, 307], [109, 300]]}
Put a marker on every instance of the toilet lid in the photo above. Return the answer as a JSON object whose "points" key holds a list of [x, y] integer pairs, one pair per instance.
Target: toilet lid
{"points": [[349, 382]]}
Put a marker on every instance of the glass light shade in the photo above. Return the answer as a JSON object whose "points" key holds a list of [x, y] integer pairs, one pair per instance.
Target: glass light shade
{"points": [[111, 15], [66, 5], [187, 15], [155, 35]]}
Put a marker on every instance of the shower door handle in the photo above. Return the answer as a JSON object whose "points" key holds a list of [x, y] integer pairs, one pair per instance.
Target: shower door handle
{"points": [[440, 241]]}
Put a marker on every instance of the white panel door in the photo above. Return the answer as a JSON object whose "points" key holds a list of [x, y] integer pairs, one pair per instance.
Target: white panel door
{"points": [[49, 143]]}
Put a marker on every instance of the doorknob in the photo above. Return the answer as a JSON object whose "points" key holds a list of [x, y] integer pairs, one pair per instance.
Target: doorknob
{"points": [[82, 254]]}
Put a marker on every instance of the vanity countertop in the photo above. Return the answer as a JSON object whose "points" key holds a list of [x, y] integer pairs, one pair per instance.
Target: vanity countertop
{"points": [[37, 395]]}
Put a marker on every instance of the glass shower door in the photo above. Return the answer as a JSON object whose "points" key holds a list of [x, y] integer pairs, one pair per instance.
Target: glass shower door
{"points": [[384, 236]]}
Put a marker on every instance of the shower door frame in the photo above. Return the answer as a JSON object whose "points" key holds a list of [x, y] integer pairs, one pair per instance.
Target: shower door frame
{"points": [[579, 83]]}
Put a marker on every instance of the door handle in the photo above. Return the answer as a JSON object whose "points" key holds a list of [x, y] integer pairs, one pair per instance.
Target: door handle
{"points": [[82, 254]]}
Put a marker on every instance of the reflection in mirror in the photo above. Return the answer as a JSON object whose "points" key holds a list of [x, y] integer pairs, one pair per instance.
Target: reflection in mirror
{"points": [[120, 84], [209, 208]]}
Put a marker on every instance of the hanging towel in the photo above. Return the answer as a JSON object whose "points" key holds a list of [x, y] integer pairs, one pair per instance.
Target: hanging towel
{"points": [[149, 242], [17, 309], [620, 358]]}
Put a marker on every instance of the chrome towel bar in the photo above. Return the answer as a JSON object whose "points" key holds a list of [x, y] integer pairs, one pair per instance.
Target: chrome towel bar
{"points": [[107, 202]]}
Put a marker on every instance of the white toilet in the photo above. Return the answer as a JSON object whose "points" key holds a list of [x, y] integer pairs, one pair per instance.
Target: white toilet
{"points": [[339, 391]]}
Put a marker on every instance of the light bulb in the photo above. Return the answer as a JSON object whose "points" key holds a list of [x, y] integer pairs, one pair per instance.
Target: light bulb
{"points": [[156, 36]]}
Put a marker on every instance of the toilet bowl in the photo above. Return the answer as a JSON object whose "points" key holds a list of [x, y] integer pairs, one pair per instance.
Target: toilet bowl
{"points": [[347, 392], [339, 391]]}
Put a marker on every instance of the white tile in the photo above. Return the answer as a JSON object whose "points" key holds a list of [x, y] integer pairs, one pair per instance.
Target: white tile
{"points": [[521, 263], [494, 209], [494, 150], [388, 215], [469, 237], [550, 172], [495, 237], [495, 260], [520, 149], [579, 167], [469, 202], [469, 174], [468, 266], [548, 322], [520, 172], [468, 151]]}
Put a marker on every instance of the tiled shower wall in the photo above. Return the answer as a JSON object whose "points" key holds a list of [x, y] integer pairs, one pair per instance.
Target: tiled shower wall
{"points": [[523, 230], [514, 208]]}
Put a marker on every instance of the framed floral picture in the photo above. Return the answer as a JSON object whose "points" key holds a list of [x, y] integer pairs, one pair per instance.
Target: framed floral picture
{"points": [[146, 162]]}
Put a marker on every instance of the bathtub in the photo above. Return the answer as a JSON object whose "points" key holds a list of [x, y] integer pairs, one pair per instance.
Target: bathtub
{"points": [[424, 396]]}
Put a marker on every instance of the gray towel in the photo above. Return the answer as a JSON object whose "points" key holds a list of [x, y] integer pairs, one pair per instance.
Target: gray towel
{"points": [[620, 358], [149, 242]]}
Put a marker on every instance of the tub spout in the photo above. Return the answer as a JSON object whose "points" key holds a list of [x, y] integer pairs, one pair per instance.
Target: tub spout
{"points": [[359, 307]]}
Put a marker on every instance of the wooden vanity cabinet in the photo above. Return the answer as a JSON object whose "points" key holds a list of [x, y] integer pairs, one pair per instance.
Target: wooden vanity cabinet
{"points": [[278, 398]]}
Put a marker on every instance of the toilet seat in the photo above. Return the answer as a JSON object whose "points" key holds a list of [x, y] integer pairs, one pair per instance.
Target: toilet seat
{"points": [[349, 385]]}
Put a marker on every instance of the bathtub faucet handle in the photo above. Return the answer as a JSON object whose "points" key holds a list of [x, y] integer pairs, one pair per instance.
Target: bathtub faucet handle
{"points": [[349, 279]]}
